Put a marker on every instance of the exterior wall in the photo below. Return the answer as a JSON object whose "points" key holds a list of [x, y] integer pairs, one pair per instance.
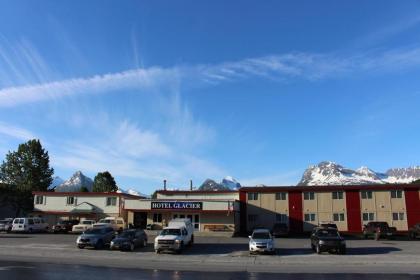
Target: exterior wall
{"points": [[382, 205], [54, 203], [412, 198]]}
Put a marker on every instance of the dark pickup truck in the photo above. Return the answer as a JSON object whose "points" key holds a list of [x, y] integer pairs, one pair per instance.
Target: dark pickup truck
{"points": [[371, 228], [414, 231]]}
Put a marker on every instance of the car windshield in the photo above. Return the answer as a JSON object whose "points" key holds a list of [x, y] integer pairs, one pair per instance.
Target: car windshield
{"points": [[86, 222], [95, 231], [328, 233], [171, 231], [104, 221], [127, 234], [261, 235]]}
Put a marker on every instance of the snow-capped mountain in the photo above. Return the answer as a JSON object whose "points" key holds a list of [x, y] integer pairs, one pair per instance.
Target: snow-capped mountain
{"points": [[228, 183], [133, 192], [331, 173], [74, 184], [55, 183]]}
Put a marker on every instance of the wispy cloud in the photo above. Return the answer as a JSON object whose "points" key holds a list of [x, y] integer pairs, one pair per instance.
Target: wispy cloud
{"points": [[15, 132], [285, 67]]}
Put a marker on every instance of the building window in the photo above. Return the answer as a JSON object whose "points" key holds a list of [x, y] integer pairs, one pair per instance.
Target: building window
{"points": [[366, 194], [252, 196], [71, 200], [337, 195], [111, 201], [157, 217], [367, 217], [308, 195], [396, 194], [281, 196], [252, 218], [310, 217], [398, 216], [338, 217], [39, 199], [281, 218]]}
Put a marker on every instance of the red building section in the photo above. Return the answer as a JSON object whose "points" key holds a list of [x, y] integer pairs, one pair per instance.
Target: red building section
{"points": [[295, 212], [354, 220], [412, 203], [243, 212]]}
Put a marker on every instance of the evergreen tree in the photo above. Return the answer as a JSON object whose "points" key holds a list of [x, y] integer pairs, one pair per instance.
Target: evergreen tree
{"points": [[28, 168], [417, 182], [104, 182], [22, 172], [84, 189]]}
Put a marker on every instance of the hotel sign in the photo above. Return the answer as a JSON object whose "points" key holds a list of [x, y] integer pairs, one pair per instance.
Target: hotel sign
{"points": [[177, 205]]}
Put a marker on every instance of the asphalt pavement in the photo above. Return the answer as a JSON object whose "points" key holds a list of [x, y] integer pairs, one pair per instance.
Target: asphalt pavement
{"points": [[218, 253], [45, 271]]}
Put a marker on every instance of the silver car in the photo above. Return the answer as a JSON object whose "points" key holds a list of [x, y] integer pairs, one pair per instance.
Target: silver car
{"points": [[96, 237], [261, 241]]}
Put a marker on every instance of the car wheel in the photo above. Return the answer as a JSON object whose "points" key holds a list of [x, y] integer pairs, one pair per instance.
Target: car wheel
{"points": [[132, 247], [144, 243], [342, 251], [81, 246], [30, 230], [313, 247], [318, 249], [99, 244], [192, 240], [157, 251]]}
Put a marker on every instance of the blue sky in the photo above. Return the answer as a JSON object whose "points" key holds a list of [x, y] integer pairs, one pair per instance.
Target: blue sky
{"points": [[181, 90]]}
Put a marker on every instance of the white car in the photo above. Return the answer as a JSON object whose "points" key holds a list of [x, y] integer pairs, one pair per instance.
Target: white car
{"points": [[116, 223], [261, 241], [83, 226], [6, 224], [30, 225]]}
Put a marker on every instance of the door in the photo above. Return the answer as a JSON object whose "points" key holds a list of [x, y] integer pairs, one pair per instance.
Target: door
{"points": [[140, 220]]}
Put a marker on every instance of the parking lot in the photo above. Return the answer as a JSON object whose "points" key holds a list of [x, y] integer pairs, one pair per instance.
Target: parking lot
{"points": [[221, 253]]}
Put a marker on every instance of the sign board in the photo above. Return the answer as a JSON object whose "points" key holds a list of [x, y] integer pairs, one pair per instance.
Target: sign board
{"points": [[177, 205]]}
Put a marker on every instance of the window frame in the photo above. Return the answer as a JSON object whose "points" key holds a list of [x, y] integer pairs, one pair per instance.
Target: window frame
{"points": [[308, 195], [283, 218], [366, 194], [281, 195], [340, 217], [337, 195], [312, 217], [109, 200], [252, 196], [39, 200], [396, 194], [68, 198]]}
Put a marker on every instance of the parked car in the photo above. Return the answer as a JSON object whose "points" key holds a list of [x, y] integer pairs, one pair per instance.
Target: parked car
{"points": [[6, 224], [328, 225], [96, 237], [64, 226], [29, 225], [129, 239], [174, 237], [370, 229], [414, 231], [327, 240], [261, 241], [280, 229], [116, 223], [83, 226], [153, 227]]}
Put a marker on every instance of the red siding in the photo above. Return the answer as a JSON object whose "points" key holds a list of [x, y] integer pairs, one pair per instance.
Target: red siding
{"points": [[412, 203], [295, 212], [354, 219], [243, 212]]}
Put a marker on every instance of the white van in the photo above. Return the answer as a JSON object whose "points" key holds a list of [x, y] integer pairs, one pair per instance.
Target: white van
{"points": [[116, 223], [29, 225]]}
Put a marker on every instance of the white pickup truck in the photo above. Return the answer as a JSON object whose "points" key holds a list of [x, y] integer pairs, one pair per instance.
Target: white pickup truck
{"points": [[178, 234]]}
